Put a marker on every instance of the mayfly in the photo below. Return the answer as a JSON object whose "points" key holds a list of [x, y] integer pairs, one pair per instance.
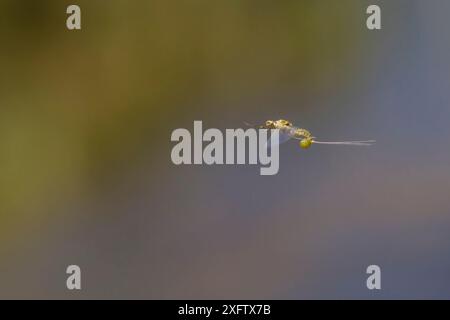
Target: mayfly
{"points": [[287, 131]]}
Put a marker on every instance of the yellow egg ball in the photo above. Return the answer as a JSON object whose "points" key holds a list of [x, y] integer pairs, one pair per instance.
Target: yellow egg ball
{"points": [[305, 143]]}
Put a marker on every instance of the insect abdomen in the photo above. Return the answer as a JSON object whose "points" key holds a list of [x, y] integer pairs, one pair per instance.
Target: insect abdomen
{"points": [[303, 133]]}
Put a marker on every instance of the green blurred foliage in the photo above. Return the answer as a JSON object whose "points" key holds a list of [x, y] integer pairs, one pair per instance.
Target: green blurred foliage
{"points": [[79, 106]]}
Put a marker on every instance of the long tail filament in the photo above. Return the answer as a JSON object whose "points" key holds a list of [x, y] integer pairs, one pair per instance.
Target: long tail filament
{"points": [[349, 143]]}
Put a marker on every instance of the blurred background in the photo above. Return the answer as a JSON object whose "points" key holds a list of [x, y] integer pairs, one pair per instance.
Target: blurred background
{"points": [[86, 175]]}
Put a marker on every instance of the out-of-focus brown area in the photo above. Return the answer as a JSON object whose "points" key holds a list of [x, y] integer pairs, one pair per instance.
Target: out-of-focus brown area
{"points": [[79, 107]]}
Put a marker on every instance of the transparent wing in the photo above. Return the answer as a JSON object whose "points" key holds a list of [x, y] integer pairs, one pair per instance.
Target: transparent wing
{"points": [[284, 135]]}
